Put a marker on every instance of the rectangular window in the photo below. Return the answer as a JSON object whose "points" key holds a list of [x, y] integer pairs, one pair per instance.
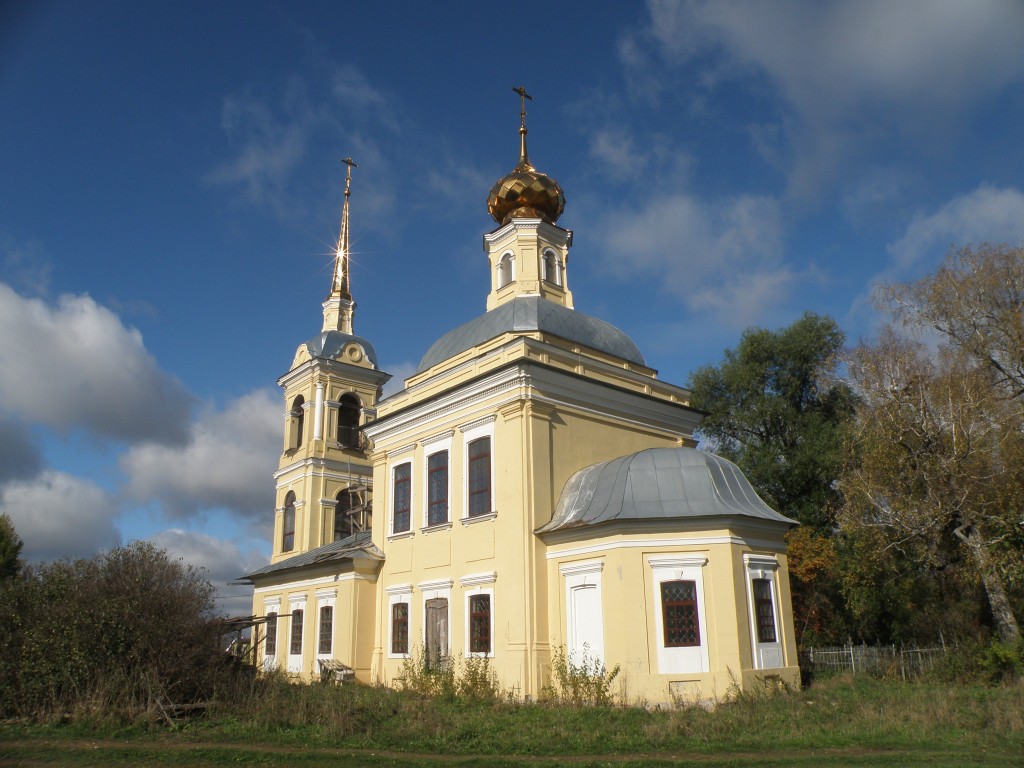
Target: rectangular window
{"points": [[764, 611], [480, 624], [326, 629], [400, 628], [679, 613], [480, 477], [270, 649], [296, 641], [403, 497], [437, 488]]}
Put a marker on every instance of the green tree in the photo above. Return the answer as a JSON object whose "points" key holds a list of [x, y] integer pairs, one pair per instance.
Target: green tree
{"points": [[775, 407], [10, 549]]}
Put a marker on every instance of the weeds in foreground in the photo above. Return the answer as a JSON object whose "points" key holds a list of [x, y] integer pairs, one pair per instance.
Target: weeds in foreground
{"points": [[470, 678], [580, 681]]}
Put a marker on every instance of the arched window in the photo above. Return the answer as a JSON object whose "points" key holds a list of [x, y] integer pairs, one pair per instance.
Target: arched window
{"points": [[346, 515], [349, 410], [298, 414], [506, 269], [288, 525], [552, 267]]}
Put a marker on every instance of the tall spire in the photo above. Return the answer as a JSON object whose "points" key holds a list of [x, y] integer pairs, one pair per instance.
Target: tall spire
{"points": [[524, 156], [339, 306]]}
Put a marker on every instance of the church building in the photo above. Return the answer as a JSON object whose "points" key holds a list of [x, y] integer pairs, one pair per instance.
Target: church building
{"points": [[534, 488]]}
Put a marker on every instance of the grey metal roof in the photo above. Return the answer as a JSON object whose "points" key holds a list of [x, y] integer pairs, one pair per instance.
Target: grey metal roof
{"points": [[532, 313], [331, 343], [356, 546], [658, 484]]}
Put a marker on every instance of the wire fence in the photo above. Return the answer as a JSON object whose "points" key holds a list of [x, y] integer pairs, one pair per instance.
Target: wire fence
{"points": [[907, 662]]}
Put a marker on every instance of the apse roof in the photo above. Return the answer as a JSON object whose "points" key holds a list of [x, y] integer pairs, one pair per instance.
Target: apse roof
{"points": [[533, 313], [358, 546], [331, 343], [658, 484]]}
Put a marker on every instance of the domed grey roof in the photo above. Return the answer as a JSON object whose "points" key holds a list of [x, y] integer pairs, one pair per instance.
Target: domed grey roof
{"points": [[658, 484], [331, 343], [532, 313]]}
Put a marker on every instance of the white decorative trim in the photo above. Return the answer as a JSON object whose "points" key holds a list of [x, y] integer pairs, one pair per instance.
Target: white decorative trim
{"points": [[657, 543], [680, 561], [313, 582], [444, 436], [477, 423], [427, 586], [476, 579], [401, 535], [399, 589], [576, 569], [400, 451], [322, 593], [478, 518], [446, 525]]}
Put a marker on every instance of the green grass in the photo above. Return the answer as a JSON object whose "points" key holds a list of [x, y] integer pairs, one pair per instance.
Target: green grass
{"points": [[841, 721]]}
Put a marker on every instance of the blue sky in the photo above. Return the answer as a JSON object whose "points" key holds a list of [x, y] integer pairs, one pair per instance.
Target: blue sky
{"points": [[170, 189]]}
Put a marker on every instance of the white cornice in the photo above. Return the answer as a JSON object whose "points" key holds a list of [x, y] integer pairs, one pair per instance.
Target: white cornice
{"points": [[576, 569], [678, 541], [332, 468], [476, 579]]}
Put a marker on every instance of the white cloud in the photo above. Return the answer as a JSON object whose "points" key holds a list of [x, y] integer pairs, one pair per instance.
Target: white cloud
{"points": [[850, 71], [722, 259], [58, 515], [986, 215], [222, 561], [226, 463], [74, 364]]}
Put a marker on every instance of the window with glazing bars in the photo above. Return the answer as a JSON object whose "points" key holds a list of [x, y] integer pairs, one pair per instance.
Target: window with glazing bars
{"points": [[480, 476], [296, 641], [402, 497], [437, 488], [270, 649], [288, 524], [764, 610], [679, 613], [400, 628], [326, 629], [480, 624]]}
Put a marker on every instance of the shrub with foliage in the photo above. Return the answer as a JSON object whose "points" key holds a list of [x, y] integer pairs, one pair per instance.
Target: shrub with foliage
{"points": [[581, 681], [124, 632]]}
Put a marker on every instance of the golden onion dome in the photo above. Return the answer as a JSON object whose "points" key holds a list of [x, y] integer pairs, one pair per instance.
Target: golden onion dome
{"points": [[526, 193]]}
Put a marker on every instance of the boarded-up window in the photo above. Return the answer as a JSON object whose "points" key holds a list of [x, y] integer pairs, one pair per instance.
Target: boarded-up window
{"points": [[437, 631]]}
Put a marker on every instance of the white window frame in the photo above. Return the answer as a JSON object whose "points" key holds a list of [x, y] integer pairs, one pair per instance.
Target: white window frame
{"points": [[765, 655], [471, 432], [399, 593], [432, 447], [326, 599], [583, 576], [272, 605], [478, 584], [295, 659], [685, 659]]}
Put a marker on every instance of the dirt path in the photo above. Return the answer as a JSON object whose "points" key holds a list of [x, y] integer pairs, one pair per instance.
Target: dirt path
{"points": [[180, 753]]}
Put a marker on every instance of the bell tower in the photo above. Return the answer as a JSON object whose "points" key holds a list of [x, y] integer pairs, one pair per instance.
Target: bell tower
{"points": [[324, 477], [528, 253]]}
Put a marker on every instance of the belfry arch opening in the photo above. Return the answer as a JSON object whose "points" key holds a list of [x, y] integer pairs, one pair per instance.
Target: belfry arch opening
{"points": [[349, 411]]}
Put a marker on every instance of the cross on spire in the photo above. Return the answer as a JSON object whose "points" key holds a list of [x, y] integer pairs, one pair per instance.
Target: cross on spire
{"points": [[524, 157], [340, 287]]}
